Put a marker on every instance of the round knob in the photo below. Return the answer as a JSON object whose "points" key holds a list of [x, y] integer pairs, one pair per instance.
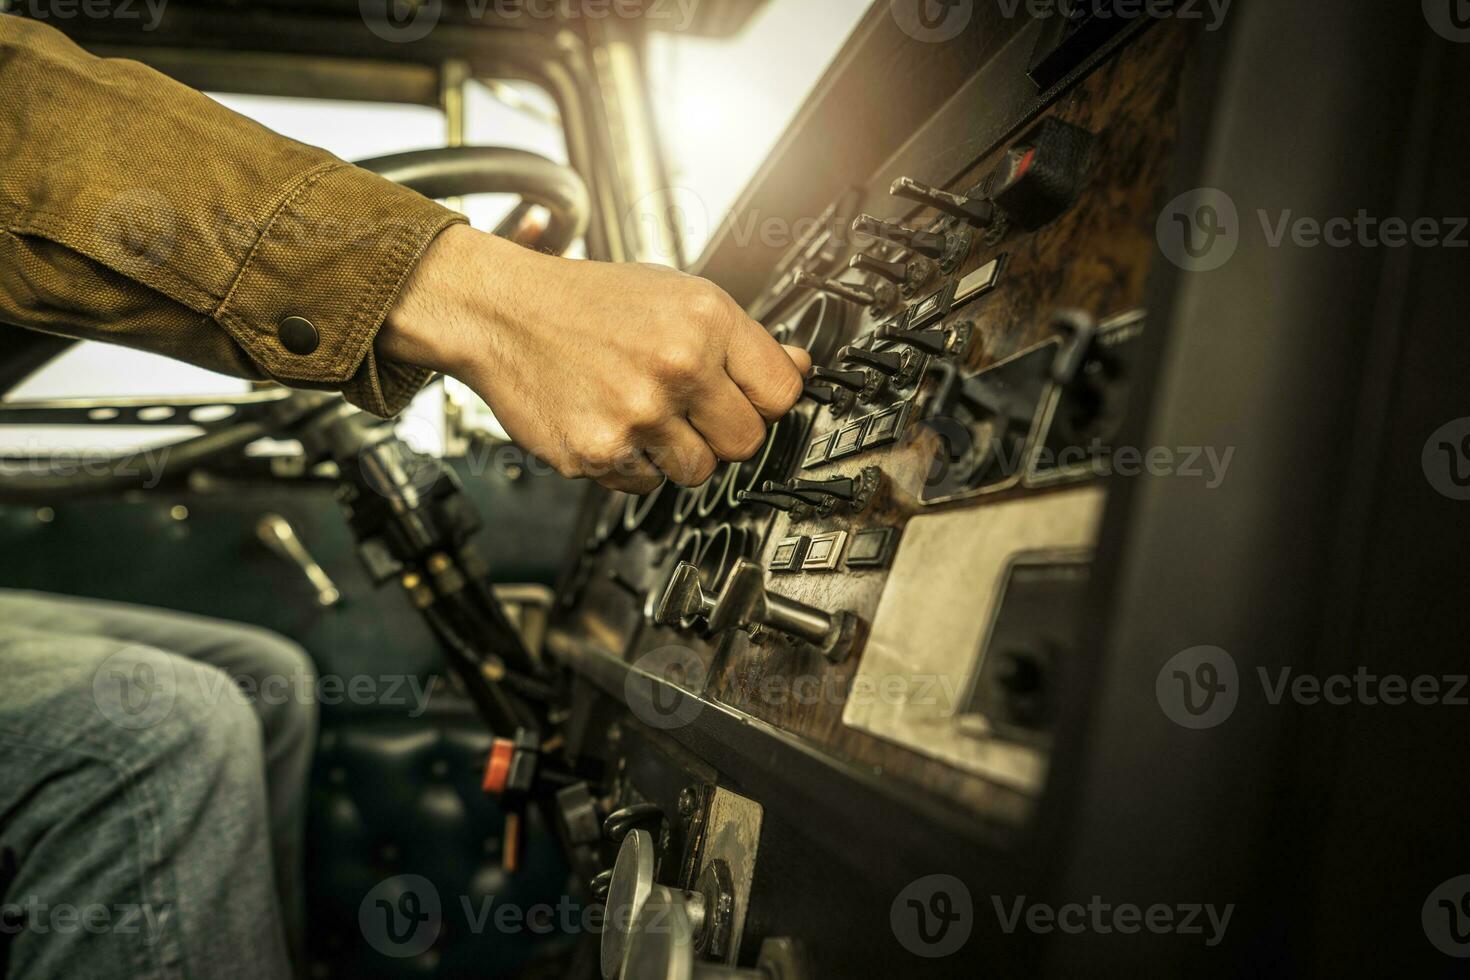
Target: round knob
{"points": [[661, 944], [627, 895]]}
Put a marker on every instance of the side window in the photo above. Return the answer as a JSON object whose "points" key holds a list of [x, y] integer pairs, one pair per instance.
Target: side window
{"points": [[498, 113]]}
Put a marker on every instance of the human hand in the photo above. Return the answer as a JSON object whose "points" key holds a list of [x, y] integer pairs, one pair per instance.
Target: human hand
{"points": [[620, 372]]}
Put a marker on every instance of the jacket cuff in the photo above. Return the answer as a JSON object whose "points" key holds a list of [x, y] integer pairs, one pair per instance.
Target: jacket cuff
{"points": [[312, 293]]}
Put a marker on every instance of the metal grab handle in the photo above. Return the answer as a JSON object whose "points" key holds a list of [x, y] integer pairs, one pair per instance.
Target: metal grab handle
{"points": [[278, 535]]}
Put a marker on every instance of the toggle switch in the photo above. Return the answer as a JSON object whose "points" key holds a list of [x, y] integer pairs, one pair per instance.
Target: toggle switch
{"points": [[888, 362], [786, 490], [926, 243], [838, 399], [746, 605], [856, 381], [978, 211], [882, 294], [901, 366], [769, 499], [844, 488], [895, 272], [936, 340]]}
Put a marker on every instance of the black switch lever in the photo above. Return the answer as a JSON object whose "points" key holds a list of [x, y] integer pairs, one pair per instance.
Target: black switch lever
{"points": [[888, 362], [881, 294], [926, 243], [851, 380], [844, 488], [769, 499], [976, 210], [895, 272], [939, 340], [787, 490], [821, 394]]}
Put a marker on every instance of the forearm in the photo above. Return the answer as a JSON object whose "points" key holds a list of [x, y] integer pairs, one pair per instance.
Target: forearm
{"points": [[137, 211]]}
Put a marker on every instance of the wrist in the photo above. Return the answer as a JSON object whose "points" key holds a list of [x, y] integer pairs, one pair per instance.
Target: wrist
{"points": [[450, 310]]}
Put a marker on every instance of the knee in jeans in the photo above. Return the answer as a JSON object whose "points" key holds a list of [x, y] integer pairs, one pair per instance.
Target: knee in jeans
{"points": [[285, 681]]}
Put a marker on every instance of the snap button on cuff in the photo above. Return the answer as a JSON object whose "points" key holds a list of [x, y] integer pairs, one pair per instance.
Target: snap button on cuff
{"points": [[298, 335]]}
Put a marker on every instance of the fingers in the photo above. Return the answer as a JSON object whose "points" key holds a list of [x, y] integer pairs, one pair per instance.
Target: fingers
{"points": [[681, 453], [801, 357], [727, 421], [632, 473], [768, 373]]}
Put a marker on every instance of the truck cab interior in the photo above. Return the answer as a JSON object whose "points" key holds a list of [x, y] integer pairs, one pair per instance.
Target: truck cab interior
{"points": [[1013, 651]]}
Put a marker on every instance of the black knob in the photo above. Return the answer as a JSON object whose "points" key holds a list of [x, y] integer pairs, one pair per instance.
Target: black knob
{"points": [[925, 243], [894, 272], [842, 487], [851, 380], [619, 822], [976, 210], [888, 362], [770, 500], [600, 884], [935, 341]]}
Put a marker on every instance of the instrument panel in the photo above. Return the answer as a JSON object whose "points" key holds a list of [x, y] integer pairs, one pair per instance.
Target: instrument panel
{"points": [[887, 577]]}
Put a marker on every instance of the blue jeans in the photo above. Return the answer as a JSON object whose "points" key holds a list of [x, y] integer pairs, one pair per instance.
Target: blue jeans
{"points": [[153, 772]]}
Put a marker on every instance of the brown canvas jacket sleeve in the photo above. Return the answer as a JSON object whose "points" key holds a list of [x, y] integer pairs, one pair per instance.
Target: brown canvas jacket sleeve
{"points": [[137, 211]]}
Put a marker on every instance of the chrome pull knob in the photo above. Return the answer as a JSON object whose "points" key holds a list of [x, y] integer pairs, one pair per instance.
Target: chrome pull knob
{"points": [[926, 243], [978, 211], [277, 534], [746, 605]]}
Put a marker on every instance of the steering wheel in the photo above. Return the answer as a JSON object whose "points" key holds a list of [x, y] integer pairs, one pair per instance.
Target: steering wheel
{"points": [[454, 171]]}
